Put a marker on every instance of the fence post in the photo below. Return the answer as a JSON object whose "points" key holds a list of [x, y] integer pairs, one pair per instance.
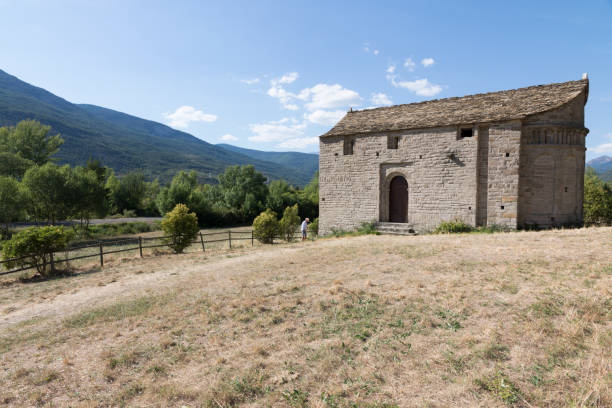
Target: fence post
{"points": [[252, 241], [140, 245], [202, 241], [230, 238], [101, 256]]}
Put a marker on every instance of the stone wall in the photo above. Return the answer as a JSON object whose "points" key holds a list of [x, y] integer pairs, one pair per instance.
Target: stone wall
{"points": [[503, 176], [440, 169], [552, 166]]}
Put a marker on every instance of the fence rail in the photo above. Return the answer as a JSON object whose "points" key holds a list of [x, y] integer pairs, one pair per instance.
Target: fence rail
{"points": [[138, 242]]}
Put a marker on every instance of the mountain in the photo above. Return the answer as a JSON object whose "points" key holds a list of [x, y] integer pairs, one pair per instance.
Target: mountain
{"points": [[127, 143], [308, 162], [602, 166]]}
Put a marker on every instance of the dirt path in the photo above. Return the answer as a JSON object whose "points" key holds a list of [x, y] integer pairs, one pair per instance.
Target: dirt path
{"points": [[128, 281]]}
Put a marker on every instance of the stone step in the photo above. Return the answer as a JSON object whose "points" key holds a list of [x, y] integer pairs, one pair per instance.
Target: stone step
{"points": [[395, 228]]}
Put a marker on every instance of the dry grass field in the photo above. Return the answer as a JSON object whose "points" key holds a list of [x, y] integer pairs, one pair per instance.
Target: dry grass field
{"points": [[509, 319]]}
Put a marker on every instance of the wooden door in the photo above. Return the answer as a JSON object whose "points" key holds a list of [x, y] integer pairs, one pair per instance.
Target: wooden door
{"points": [[398, 200]]}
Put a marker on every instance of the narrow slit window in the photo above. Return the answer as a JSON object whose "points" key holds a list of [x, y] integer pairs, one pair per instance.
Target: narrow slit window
{"points": [[392, 142], [349, 145]]}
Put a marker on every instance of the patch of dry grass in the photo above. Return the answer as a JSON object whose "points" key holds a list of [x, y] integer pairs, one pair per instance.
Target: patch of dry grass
{"points": [[518, 319]]}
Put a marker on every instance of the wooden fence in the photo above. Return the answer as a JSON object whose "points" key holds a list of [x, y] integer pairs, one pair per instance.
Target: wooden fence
{"points": [[107, 247]]}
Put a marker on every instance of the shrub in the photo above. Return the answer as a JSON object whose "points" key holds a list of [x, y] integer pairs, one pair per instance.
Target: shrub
{"points": [[266, 227], [181, 226], [36, 246], [313, 227], [452, 227], [289, 223]]}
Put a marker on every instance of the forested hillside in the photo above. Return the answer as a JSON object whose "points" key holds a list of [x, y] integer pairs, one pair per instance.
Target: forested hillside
{"points": [[127, 143]]}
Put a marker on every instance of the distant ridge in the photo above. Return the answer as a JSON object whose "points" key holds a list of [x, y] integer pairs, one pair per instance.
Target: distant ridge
{"points": [[308, 162], [602, 166], [128, 143]]}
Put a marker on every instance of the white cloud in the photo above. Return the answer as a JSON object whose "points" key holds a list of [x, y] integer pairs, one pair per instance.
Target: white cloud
{"points": [[324, 96], [276, 131], [427, 62], [325, 118], [250, 81], [421, 87], [391, 69], [277, 91], [229, 138], [376, 52], [604, 147], [298, 143], [184, 115], [286, 79], [409, 64], [380, 99]]}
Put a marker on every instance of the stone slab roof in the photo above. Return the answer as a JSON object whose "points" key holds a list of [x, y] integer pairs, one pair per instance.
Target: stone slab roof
{"points": [[480, 108]]}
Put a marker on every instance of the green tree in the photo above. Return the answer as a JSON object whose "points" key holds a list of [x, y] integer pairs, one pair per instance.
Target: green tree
{"points": [[289, 223], [12, 165], [11, 203], [184, 189], [36, 246], [48, 193], [30, 140], [597, 199], [244, 190], [280, 195], [87, 195], [266, 227], [127, 192], [181, 227], [149, 204], [308, 199]]}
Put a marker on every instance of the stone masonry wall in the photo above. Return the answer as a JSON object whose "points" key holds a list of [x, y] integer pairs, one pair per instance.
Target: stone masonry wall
{"points": [[439, 167], [552, 166], [503, 175]]}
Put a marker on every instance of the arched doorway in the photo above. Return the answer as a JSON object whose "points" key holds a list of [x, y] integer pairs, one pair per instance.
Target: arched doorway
{"points": [[398, 200]]}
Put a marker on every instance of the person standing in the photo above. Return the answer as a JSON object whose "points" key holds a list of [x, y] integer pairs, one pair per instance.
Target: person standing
{"points": [[304, 228]]}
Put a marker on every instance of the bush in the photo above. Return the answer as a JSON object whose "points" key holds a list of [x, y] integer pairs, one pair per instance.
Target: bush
{"points": [[181, 226], [313, 227], [289, 223], [266, 227], [36, 244], [453, 227]]}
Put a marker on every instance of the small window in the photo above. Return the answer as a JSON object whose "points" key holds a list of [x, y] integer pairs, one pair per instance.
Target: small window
{"points": [[349, 145], [566, 189], [507, 154], [466, 132], [502, 207], [392, 142], [420, 156]]}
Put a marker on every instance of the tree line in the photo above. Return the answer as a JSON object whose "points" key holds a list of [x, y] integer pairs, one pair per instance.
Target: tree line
{"points": [[34, 188]]}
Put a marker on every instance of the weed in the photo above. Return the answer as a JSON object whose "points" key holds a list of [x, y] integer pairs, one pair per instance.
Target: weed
{"points": [[46, 377], [500, 386], [547, 307], [450, 320], [457, 363], [296, 398], [453, 227]]}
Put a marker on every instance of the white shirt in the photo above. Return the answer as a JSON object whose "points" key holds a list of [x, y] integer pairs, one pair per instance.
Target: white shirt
{"points": [[304, 225]]}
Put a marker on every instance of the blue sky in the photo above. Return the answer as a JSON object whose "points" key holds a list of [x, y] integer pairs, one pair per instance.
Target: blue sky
{"points": [[274, 75]]}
